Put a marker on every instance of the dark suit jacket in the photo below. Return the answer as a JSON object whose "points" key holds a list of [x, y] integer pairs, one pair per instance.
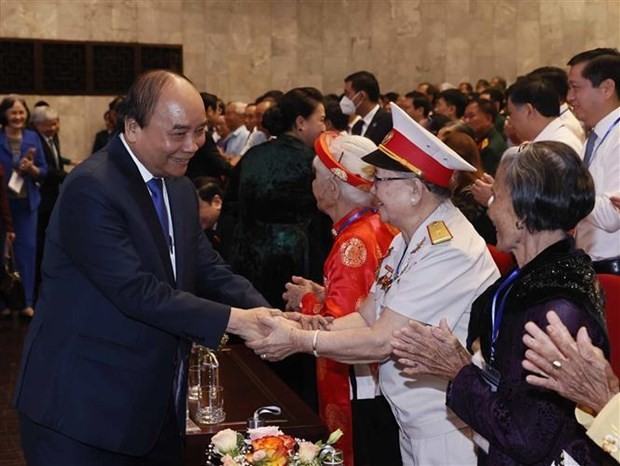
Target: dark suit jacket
{"points": [[102, 350], [55, 175], [101, 139], [208, 162], [380, 125]]}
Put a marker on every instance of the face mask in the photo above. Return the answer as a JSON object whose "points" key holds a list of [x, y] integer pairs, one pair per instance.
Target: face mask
{"points": [[347, 105]]}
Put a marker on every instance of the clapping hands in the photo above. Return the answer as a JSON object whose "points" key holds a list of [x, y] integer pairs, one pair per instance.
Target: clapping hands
{"points": [[297, 288], [425, 349], [481, 189]]}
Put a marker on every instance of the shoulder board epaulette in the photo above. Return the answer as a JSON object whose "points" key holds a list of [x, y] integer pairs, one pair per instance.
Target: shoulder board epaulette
{"points": [[438, 232]]}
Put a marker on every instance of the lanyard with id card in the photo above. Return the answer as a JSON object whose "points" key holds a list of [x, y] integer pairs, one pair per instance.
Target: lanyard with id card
{"points": [[489, 373]]}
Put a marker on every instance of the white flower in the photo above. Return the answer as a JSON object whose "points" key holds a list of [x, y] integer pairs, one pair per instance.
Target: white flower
{"points": [[261, 432], [308, 452], [228, 460], [259, 455], [225, 441]]}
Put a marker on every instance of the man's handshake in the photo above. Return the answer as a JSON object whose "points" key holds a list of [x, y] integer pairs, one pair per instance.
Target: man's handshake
{"points": [[254, 325]]}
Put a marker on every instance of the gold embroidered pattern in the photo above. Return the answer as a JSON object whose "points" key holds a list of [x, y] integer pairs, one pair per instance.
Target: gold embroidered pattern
{"points": [[353, 253]]}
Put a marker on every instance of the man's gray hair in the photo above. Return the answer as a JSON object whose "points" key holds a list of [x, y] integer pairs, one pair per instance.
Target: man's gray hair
{"points": [[43, 114], [239, 107]]}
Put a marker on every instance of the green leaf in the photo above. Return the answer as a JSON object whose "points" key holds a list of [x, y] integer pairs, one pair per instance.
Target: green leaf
{"points": [[334, 437]]}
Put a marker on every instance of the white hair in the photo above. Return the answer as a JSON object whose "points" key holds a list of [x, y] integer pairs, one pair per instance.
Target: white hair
{"points": [[239, 107], [42, 114], [446, 85], [348, 150]]}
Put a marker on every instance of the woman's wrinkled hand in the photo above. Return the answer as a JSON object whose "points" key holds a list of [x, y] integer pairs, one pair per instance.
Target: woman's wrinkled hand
{"points": [[307, 322], [296, 289], [424, 349], [574, 368], [283, 339]]}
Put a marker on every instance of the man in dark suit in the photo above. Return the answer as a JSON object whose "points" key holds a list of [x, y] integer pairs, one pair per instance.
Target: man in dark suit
{"points": [[45, 121], [361, 97], [111, 120], [103, 370]]}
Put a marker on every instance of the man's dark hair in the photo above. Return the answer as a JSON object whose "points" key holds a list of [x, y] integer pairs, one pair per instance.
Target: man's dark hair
{"points": [[273, 95], [485, 106], [456, 98], [501, 82], [432, 91], [209, 100], [438, 121], [483, 82], [591, 54], [419, 100], [334, 114], [602, 68], [496, 96], [207, 187], [556, 77], [366, 82], [468, 85], [391, 96], [143, 96], [116, 103], [537, 92]]}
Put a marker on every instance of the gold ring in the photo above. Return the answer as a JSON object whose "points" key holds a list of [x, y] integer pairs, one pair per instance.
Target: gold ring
{"points": [[557, 364]]}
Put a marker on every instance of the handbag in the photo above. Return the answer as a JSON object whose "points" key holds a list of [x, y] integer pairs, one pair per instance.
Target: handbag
{"points": [[11, 286]]}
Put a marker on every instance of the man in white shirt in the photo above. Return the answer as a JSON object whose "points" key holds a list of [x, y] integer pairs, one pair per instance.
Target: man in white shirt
{"points": [[558, 79], [594, 93], [534, 108], [236, 139], [259, 134]]}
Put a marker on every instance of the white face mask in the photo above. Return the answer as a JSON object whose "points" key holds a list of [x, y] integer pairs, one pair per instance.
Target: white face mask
{"points": [[347, 105]]}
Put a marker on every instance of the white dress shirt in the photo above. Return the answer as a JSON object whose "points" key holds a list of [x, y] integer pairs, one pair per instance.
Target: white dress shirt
{"points": [[558, 131], [571, 121], [599, 233], [368, 119]]}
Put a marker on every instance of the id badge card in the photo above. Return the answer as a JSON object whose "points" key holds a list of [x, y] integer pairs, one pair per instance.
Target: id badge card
{"points": [[491, 376]]}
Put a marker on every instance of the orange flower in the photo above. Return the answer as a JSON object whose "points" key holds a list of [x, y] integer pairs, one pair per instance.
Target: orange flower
{"points": [[276, 450]]}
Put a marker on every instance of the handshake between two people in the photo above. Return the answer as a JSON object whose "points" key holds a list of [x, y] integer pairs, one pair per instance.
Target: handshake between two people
{"points": [[271, 333]]}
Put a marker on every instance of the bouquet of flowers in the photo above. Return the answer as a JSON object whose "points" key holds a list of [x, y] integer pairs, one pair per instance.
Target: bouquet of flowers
{"points": [[267, 446]]}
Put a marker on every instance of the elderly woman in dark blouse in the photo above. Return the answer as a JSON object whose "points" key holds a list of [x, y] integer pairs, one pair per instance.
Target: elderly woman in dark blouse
{"points": [[540, 193]]}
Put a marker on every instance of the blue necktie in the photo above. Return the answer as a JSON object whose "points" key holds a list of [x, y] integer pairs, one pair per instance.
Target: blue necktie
{"points": [[156, 187], [590, 148]]}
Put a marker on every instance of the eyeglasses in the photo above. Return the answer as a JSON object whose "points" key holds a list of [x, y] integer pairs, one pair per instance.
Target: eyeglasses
{"points": [[378, 178]]}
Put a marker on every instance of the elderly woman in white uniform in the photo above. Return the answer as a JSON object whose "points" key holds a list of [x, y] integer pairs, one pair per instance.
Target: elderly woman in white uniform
{"points": [[434, 269]]}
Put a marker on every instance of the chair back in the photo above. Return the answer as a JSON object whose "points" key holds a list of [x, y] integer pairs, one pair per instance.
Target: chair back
{"points": [[611, 286]]}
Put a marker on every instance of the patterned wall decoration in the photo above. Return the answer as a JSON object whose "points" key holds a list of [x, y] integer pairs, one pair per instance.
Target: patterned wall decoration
{"points": [[113, 67], [64, 68], [161, 57], [79, 68], [17, 65]]}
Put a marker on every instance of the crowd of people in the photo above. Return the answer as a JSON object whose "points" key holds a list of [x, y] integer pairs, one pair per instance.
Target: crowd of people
{"points": [[358, 230]]}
